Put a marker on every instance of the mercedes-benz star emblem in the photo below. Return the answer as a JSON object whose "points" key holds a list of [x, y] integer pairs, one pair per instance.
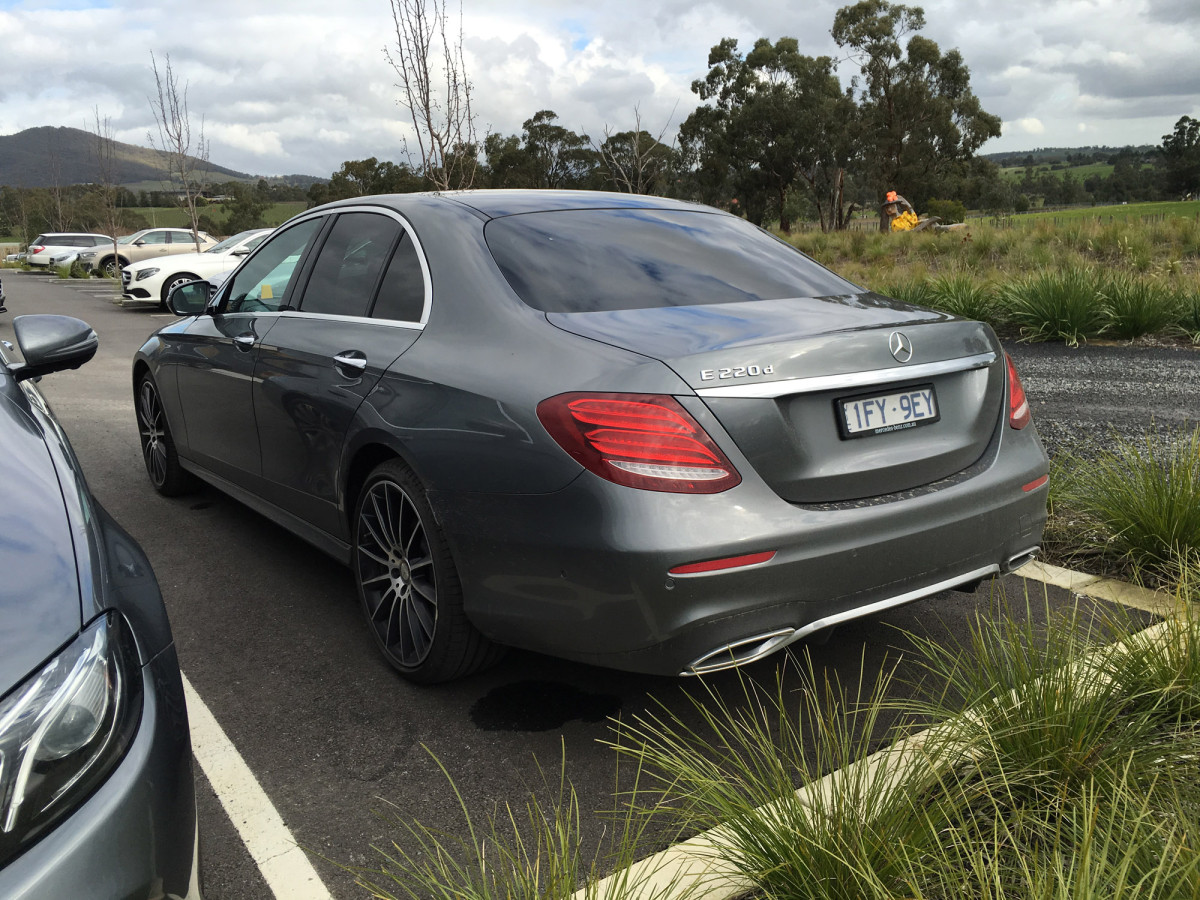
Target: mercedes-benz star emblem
{"points": [[900, 346]]}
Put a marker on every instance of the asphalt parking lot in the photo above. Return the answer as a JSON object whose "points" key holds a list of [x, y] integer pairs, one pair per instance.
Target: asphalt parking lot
{"points": [[270, 636]]}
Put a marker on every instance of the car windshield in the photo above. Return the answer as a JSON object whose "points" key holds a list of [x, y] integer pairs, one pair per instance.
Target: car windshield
{"points": [[611, 259], [128, 239], [230, 242]]}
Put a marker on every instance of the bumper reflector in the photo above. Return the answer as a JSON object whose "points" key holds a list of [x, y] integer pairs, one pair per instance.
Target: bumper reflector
{"points": [[729, 562], [1035, 484]]}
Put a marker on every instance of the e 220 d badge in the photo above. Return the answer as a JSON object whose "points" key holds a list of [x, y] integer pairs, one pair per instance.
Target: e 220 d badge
{"points": [[735, 372]]}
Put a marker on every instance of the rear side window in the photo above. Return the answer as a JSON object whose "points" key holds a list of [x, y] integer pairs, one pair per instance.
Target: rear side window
{"points": [[610, 259], [347, 268], [402, 294]]}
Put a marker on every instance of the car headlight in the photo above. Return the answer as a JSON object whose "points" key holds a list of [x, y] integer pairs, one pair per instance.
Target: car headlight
{"points": [[145, 273], [64, 729]]}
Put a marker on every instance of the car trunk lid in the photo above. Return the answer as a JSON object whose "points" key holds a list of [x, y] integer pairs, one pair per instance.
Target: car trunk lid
{"points": [[791, 381]]}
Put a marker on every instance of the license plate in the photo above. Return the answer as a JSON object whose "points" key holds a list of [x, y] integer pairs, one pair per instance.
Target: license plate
{"points": [[883, 413]]}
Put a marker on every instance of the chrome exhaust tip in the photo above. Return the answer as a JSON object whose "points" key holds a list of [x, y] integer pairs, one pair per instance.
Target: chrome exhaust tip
{"points": [[739, 653], [1017, 560]]}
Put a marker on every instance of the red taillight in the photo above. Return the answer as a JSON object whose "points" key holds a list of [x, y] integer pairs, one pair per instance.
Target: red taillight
{"points": [[34, 250], [645, 441], [1018, 406]]}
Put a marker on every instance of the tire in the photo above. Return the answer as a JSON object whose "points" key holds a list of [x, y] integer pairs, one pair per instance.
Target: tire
{"points": [[112, 268], [407, 584], [158, 447], [173, 282]]}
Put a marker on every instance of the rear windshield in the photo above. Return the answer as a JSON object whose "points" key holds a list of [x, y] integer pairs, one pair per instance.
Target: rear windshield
{"points": [[609, 259]]}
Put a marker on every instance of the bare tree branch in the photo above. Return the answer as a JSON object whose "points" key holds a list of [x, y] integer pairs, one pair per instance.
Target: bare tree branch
{"points": [[635, 160], [183, 158], [441, 116], [104, 154]]}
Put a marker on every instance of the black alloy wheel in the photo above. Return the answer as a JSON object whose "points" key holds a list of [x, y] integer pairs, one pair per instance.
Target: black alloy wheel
{"points": [[158, 448], [407, 583]]}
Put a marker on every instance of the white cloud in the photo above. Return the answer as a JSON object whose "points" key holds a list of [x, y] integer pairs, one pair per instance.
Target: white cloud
{"points": [[291, 86], [1027, 126]]}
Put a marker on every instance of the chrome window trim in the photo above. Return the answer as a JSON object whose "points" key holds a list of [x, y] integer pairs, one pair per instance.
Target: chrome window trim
{"points": [[412, 235], [335, 317], [813, 384]]}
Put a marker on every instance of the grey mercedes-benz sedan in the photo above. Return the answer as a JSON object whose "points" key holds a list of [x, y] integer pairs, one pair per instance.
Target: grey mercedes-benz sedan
{"points": [[625, 430]]}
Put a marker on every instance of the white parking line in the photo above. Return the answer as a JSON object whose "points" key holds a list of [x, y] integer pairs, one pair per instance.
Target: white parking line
{"points": [[284, 866]]}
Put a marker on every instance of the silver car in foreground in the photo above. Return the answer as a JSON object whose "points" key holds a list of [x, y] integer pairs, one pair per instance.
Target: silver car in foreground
{"points": [[96, 790], [625, 430]]}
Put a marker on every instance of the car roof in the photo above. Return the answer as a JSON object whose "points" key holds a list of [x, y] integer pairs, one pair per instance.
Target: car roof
{"points": [[498, 202], [57, 234]]}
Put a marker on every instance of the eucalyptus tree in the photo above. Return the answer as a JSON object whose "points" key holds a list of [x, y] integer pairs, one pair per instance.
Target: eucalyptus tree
{"points": [[771, 120], [920, 121]]}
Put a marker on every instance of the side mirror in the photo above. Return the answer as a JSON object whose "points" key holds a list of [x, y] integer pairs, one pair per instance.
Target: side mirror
{"points": [[52, 344], [240, 251], [189, 299], [139, 243]]}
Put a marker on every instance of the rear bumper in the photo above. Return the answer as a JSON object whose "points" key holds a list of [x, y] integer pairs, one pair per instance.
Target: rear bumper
{"points": [[583, 573]]}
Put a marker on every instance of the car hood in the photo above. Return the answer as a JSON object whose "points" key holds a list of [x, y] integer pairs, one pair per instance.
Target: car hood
{"points": [[39, 582], [182, 260]]}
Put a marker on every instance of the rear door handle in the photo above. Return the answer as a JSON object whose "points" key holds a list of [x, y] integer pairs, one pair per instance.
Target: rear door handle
{"points": [[352, 363], [245, 341]]}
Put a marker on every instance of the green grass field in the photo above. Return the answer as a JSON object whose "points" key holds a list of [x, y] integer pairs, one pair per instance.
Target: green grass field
{"points": [[174, 217], [1124, 212], [1016, 173]]}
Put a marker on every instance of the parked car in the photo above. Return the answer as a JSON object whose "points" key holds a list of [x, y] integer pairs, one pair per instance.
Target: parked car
{"points": [[96, 787], [155, 278], [625, 430], [2, 306], [45, 247], [149, 243]]}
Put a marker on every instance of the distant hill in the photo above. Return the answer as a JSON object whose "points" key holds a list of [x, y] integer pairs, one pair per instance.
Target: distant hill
{"points": [[1065, 155], [49, 156]]}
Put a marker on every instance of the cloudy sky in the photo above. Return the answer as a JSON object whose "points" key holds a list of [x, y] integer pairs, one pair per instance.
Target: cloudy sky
{"points": [[299, 86]]}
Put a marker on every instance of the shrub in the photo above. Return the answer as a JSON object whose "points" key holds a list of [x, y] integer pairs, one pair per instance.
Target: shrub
{"points": [[912, 292], [961, 294], [947, 210], [1138, 502], [1069, 777], [531, 854], [1187, 307], [1062, 306], [1136, 307]]}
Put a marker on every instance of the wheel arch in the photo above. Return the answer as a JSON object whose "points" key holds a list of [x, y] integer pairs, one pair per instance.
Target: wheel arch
{"points": [[363, 460]]}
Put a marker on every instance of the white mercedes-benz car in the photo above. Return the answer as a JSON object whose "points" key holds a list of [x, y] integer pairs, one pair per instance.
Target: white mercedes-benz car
{"points": [[153, 279]]}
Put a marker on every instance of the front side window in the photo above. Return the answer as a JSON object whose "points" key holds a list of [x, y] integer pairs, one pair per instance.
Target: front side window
{"points": [[263, 283], [156, 237], [347, 268]]}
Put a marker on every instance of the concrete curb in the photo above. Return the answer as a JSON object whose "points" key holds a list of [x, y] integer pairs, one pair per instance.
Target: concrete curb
{"points": [[691, 868]]}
